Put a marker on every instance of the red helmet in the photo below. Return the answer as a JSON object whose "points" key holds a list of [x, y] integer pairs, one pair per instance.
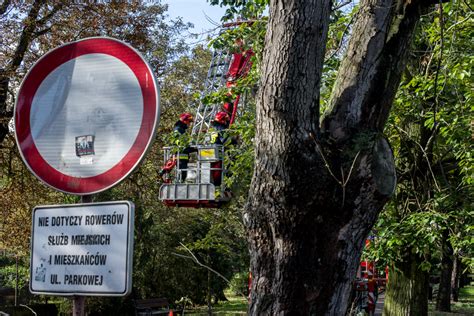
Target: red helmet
{"points": [[222, 117], [186, 118], [228, 107]]}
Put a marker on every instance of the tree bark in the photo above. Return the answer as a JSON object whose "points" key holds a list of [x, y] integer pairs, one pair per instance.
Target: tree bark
{"points": [[316, 192], [455, 277], [407, 289], [443, 300]]}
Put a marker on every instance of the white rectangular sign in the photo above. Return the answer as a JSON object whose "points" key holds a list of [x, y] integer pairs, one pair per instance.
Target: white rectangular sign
{"points": [[82, 249]]}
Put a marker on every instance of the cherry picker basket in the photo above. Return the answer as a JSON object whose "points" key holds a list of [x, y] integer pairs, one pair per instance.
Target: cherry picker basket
{"points": [[201, 184]]}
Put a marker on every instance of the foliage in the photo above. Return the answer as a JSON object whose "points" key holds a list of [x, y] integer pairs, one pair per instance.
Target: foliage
{"points": [[429, 131], [181, 82], [8, 272], [241, 9], [240, 283], [221, 246]]}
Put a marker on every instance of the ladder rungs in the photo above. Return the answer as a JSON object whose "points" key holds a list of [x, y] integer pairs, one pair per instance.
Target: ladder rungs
{"points": [[218, 65]]}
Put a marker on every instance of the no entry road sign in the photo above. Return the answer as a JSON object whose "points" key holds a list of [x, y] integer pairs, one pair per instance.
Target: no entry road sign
{"points": [[85, 115]]}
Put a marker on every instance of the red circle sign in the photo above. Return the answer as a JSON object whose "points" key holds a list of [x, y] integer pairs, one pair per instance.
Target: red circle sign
{"points": [[85, 115]]}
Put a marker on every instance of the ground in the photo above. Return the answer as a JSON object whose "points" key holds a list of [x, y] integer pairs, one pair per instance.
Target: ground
{"points": [[465, 306], [237, 305]]}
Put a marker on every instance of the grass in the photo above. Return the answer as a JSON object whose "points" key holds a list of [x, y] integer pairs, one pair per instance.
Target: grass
{"points": [[235, 305], [464, 307]]}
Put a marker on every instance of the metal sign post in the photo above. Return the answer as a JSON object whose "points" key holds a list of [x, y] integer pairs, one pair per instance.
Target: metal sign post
{"points": [[78, 305], [79, 302]]}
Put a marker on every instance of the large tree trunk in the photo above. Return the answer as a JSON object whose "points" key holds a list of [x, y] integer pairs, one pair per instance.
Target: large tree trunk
{"points": [[407, 289], [316, 192], [443, 300]]}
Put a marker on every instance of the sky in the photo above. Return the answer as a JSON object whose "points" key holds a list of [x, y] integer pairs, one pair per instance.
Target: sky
{"points": [[197, 12]]}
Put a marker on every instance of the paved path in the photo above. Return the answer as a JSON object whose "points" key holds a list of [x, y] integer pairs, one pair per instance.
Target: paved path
{"points": [[379, 306]]}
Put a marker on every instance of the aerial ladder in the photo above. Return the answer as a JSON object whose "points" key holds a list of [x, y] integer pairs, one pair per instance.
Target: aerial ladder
{"points": [[203, 184]]}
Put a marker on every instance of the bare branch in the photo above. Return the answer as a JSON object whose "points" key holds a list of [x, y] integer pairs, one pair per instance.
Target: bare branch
{"points": [[326, 164], [195, 259], [350, 170]]}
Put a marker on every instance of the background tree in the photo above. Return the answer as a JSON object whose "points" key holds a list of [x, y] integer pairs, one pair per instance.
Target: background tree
{"points": [[46, 25], [425, 225]]}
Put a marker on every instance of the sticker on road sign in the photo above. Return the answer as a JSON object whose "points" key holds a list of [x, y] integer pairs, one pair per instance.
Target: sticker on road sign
{"points": [[84, 145]]}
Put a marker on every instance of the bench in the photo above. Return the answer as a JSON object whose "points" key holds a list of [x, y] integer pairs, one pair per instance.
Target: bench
{"points": [[152, 306]]}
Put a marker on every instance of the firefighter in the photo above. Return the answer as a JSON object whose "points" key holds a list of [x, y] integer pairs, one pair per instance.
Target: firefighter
{"points": [[228, 107], [183, 123], [182, 157], [218, 126]]}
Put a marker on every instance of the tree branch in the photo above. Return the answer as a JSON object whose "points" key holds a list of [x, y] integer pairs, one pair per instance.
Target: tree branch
{"points": [[41, 32], [4, 6], [53, 11], [26, 35], [341, 5], [195, 259], [370, 72]]}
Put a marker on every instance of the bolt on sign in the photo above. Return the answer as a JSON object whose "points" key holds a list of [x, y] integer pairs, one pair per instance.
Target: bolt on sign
{"points": [[82, 249]]}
